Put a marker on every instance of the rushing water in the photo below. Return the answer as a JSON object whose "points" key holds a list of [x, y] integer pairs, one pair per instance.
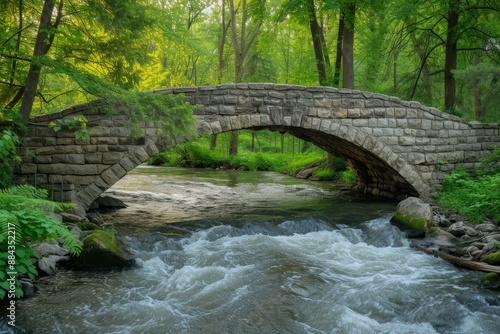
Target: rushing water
{"points": [[317, 269]]}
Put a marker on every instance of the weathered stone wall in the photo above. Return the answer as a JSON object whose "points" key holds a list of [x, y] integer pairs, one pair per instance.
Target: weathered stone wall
{"points": [[397, 148], [76, 170]]}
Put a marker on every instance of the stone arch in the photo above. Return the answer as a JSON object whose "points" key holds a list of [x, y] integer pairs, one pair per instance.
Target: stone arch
{"points": [[86, 196], [395, 179]]}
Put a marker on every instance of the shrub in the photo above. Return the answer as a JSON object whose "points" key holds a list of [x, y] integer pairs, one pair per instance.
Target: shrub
{"points": [[474, 197], [23, 221]]}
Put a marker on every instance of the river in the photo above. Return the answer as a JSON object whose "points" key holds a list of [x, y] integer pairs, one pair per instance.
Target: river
{"points": [[243, 252]]}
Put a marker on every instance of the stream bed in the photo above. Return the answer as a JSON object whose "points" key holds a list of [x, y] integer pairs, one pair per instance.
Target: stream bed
{"points": [[243, 252]]}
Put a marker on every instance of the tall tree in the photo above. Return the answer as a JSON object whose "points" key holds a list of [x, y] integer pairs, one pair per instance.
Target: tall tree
{"points": [[349, 14], [450, 62], [44, 40]]}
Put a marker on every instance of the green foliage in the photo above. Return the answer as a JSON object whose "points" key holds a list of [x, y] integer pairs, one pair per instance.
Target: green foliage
{"points": [[348, 176], [8, 154], [324, 174], [169, 113], [79, 122], [474, 197], [23, 221]]}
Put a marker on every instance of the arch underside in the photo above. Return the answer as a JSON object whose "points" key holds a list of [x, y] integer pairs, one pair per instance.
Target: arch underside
{"points": [[375, 176]]}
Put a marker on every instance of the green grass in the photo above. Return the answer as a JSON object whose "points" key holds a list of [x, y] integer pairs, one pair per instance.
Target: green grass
{"points": [[270, 151]]}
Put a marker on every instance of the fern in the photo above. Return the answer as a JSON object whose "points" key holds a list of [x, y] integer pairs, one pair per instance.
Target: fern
{"points": [[25, 208]]}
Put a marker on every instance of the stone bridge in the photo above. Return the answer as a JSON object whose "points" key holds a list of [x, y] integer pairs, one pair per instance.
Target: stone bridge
{"points": [[396, 148]]}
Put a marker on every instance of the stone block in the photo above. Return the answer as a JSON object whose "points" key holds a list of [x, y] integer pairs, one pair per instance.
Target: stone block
{"points": [[405, 141], [416, 158], [265, 120], [255, 120], [127, 164], [287, 120], [323, 103], [216, 127], [340, 113], [28, 168], [324, 113], [325, 125], [315, 124], [362, 122], [245, 121], [109, 177], [235, 122], [68, 169], [374, 103], [141, 154], [400, 112], [111, 158], [41, 159], [104, 140], [360, 138], [78, 159], [118, 171]]}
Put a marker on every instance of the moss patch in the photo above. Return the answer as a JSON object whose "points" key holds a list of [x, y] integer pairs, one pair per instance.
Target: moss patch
{"points": [[493, 258], [491, 279], [101, 250], [415, 227]]}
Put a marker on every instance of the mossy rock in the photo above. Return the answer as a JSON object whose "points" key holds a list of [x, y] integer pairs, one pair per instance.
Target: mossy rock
{"points": [[491, 279], [493, 258], [101, 250], [88, 226], [413, 216]]}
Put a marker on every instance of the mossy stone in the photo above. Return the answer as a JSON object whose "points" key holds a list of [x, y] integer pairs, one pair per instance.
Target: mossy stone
{"points": [[415, 227], [493, 258], [101, 250], [413, 216], [492, 279]]}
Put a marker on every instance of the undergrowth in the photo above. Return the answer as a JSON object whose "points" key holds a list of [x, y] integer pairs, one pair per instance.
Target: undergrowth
{"points": [[25, 220], [475, 196]]}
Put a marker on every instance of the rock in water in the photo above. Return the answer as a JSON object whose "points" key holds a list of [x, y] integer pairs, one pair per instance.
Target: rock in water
{"points": [[101, 250], [413, 216]]}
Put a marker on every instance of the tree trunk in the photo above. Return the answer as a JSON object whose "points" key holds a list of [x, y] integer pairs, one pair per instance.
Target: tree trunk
{"points": [[338, 57], [395, 74], [241, 49], [42, 45], [318, 46], [233, 144], [451, 55], [475, 92], [348, 48], [18, 43], [213, 142]]}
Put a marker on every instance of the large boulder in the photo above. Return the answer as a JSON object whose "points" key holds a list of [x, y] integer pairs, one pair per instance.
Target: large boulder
{"points": [[101, 250], [413, 216]]}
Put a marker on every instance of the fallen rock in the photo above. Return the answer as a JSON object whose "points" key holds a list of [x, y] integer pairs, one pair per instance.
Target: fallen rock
{"points": [[48, 265], [101, 250], [441, 238], [413, 216], [106, 201], [46, 248], [488, 228], [72, 218], [460, 229]]}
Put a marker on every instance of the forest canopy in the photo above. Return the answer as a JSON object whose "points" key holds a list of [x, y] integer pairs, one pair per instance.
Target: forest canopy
{"points": [[444, 54]]}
